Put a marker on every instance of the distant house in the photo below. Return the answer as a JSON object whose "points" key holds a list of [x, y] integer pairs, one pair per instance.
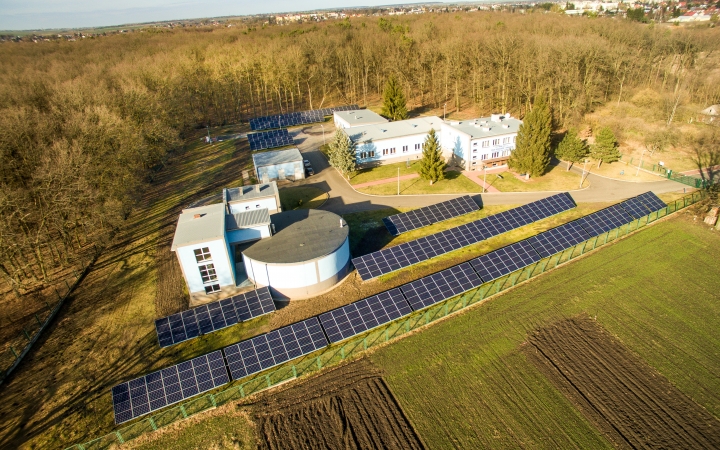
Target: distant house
{"points": [[710, 114], [279, 165]]}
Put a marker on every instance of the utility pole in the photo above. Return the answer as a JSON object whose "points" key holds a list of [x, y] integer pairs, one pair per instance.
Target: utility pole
{"points": [[484, 178], [641, 157], [582, 176], [398, 181], [208, 130], [444, 109], [323, 128]]}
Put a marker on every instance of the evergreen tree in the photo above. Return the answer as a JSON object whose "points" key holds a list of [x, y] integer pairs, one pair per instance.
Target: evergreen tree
{"points": [[342, 153], [605, 149], [394, 103], [335, 146], [432, 164], [532, 151], [572, 149]]}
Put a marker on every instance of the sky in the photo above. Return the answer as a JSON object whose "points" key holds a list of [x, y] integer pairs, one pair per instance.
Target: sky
{"points": [[43, 14]]}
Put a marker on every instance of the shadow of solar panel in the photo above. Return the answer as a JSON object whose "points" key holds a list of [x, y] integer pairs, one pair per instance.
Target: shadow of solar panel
{"points": [[363, 315], [390, 259], [167, 386], [558, 239], [604, 220], [404, 222], [652, 201], [213, 316], [440, 286], [273, 348], [635, 208], [503, 261]]}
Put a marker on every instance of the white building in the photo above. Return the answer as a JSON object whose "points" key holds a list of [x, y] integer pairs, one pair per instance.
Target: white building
{"points": [[279, 165], [356, 118]]}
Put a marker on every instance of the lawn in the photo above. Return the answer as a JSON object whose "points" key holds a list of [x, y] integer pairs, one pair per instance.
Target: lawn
{"points": [[384, 171], [302, 197], [454, 183], [557, 179], [465, 383]]}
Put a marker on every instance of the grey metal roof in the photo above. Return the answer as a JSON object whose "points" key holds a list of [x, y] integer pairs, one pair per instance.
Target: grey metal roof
{"points": [[486, 127], [203, 224], [300, 235], [371, 133], [359, 117], [247, 219], [277, 157], [250, 192]]}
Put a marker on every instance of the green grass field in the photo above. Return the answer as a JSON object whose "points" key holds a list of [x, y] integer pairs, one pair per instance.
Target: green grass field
{"points": [[454, 182], [301, 197], [556, 179], [465, 383]]}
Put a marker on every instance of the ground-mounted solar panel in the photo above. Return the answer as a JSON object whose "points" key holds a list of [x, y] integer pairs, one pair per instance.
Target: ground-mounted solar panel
{"points": [[440, 286], [604, 220], [273, 348], [428, 215], [363, 315], [213, 316], [652, 201], [167, 386], [295, 118], [558, 239], [394, 258], [503, 261], [635, 208]]}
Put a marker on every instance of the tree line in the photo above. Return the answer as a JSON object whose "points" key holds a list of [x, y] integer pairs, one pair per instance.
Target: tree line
{"points": [[84, 124]]}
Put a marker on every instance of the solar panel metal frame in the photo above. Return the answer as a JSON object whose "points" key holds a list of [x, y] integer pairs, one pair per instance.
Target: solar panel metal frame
{"points": [[440, 286], [504, 261], [213, 316], [558, 239], [363, 315], [428, 215], [605, 220], [167, 386], [276, 347]]}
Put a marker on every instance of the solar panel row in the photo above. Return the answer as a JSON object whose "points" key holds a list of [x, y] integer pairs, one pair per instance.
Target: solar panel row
{"points": [[296, 118], [394, 258], [154, 391], [428, 215], [270, 139], [213, 316]]}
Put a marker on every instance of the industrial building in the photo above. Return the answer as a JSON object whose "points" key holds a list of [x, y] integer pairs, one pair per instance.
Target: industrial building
{"points": [[357, 118], [279, 165]]}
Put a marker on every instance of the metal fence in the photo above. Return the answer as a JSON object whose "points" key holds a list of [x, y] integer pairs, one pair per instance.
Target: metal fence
{"points": [[340, 352], [696, 182]]}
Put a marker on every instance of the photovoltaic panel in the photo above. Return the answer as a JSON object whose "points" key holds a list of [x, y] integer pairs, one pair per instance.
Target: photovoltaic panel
{"points": [[394, 258], [363, 315], [273, 348], [167, 386], [652, 201], [296, 118], [440, 286], [427, 215], [213, 316], [505, 260], [604, 220], [558, 239], [635, 208], [270, 139]]}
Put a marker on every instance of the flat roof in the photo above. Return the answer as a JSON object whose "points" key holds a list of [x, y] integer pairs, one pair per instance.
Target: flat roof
{"points": [[247, 219], [483, 127], [277, 157], [359, 117], [208, 226], [409, 127], [300, 235], [250, 192]]}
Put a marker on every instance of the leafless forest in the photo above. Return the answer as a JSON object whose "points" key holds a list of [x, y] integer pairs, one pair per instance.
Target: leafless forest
{"points": [[84, 124]]}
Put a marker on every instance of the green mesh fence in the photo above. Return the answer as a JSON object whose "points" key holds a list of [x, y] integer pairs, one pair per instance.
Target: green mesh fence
{"points": [[695, 182], [340, 352]]}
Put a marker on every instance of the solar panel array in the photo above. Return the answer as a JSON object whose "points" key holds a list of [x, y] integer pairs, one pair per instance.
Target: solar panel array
{"points": [[167, 386], [428, 215], [173, 384], [296, 118], [270, 139], [213, 316], [394, 258]]}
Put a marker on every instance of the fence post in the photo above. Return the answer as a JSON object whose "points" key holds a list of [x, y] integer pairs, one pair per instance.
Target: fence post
{"points": [[446, 309], [267, 380], [365, 343], [119, 437], [212, 400], [38, 319], [182, 410], [152, 423], [407, 325], [241, 389], [387, 338], [342, 352], [294, 369], [13, 352], [26, 334]]}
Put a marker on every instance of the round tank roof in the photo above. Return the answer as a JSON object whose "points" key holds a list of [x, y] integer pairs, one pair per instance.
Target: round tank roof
{"points": [[300, 235]]}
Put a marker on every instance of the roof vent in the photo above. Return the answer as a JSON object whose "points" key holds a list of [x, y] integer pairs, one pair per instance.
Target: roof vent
{"points": [[506, 125], [496, 117], [197, 216], [486, 129]]}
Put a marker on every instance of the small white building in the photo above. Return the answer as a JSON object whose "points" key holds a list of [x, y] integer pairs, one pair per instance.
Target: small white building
{"points": [[486, 141], [357, 118], [279, 165]]}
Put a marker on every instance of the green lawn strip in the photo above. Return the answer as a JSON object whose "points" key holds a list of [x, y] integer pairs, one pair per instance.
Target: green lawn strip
{"points": [[384, 171], [557, 179], [465, 383], [301, 197], [454, 183]]}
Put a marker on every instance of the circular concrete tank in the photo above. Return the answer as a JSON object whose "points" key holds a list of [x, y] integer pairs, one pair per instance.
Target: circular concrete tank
{"points": [[308, 253]]}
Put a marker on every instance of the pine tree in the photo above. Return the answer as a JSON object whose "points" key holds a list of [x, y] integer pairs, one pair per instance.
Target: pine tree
{"points": [[532, 151], [335, 146], [432, 164], [572, 149], [342, 153], [394, 103], [605, 149]]}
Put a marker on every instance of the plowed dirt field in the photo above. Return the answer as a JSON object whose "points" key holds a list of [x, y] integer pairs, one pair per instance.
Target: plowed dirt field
{"points": [[629, 401], [349, 407]]}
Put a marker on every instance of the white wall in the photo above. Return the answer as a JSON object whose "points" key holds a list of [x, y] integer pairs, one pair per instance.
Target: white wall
{"points": [[332, 263], [454, 142], [339, 122], [248, 234], [220, 260], [398, 143], [240, 206], [292, 276]]}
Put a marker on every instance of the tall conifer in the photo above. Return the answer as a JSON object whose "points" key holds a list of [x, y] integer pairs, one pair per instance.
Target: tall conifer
{"points": [[394, 103], [605, 149], [432, 164], [532, 150]]}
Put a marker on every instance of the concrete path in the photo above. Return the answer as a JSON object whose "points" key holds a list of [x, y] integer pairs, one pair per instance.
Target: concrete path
{"points": [[477, 178], [343, 199], [385, 180]]}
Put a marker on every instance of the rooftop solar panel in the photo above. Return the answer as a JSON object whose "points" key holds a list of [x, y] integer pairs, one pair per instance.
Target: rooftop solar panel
{"points": [[363, 315], [604, 220], [440, 286], [558, 239], [276, 347], [167, 386], [404, 222], [506, 260], [652, 201], [213, 316]]}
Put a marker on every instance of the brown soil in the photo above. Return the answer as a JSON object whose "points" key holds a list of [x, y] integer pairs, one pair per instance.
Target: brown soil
{"points": [[634, 405], [349, 407]]}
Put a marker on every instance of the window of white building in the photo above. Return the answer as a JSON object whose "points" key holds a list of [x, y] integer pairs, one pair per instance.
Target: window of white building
{"points": [[202, 254], [418, 146], [496, 141], [506, 140], [405, 148], [484, 157], [495, 154], [485, 144], [212, 288], [207, 273]]}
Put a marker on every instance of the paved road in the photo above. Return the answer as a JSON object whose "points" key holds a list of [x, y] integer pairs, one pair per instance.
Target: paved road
{"points": [[344, 199]]}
